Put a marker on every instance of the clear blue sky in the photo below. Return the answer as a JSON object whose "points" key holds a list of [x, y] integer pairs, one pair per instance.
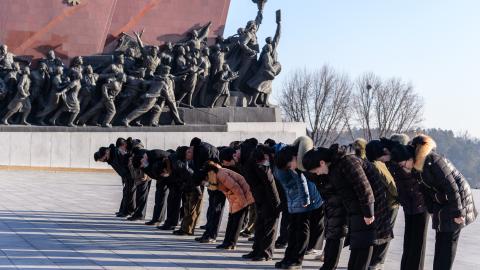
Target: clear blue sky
{"points": [[435, 44]]}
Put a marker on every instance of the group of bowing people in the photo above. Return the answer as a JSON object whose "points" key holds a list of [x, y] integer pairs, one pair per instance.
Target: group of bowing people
{"points": [[317, 198]]}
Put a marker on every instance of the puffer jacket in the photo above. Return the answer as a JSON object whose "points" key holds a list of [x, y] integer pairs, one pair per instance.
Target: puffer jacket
{"points": [[335, 215], [410, 195], [352, 184], [447, 192], [298, 190], [235, 188]]}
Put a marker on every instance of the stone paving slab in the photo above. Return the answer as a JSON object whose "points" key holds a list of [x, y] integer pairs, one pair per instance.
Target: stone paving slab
{"points": [[65, 221]]}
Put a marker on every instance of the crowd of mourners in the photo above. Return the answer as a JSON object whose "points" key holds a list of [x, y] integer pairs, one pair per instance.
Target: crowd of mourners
{"points": [[315, 198]]}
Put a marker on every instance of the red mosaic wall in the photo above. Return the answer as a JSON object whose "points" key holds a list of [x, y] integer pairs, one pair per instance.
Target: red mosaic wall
{"points": [[32, 27]]}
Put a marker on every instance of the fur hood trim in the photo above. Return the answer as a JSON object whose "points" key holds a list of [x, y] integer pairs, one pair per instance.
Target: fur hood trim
{"points": [[304, 145], [424, 145]]}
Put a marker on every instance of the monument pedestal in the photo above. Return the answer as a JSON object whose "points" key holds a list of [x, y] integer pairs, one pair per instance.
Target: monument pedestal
{"points": [[73, 148]]}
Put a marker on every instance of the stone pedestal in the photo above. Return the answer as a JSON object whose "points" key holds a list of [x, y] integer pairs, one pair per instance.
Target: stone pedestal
{"points": [[62, 147]]}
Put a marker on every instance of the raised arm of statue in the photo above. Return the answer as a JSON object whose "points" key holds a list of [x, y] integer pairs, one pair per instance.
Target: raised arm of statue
{"points": [[276, 38], [259, 18], [139, 42]]}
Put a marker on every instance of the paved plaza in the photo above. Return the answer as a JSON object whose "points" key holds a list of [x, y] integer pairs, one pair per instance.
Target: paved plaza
{"points": [[59, 220]]}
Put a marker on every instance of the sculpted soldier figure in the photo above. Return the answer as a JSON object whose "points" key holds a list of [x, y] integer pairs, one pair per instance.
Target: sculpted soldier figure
{"points": [[52, 62], [21, 101], [222, 84], [11, 81], [52, 99], [110, 90], [148, 102], [69, 99], [6, 59], [132, 90], [89, 87], [248, 50], [166, 83], [166, 56], [268, 69], [76, 65], [190, 83], [150, 59], [201, 92], [130, 63], [116, 67], [40, 83]]}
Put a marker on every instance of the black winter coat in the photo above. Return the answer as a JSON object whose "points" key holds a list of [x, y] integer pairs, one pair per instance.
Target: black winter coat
{"points": [[119, 162], [409, 190], [447, 193], [335, 215], [351, 183], [155, 164], [262, 185], [203, 153]]}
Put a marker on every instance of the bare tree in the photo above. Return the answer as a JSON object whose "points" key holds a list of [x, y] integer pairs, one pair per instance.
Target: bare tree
{"points": [[321, 99], [385, 107]]}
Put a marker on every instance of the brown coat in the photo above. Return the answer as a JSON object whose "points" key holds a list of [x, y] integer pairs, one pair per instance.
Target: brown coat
{"points": [[235, 188]]}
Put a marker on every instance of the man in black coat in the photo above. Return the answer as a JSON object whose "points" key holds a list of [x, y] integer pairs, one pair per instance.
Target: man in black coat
{"points": [[267, 203], [198, 154], [151, 162], [117, 158]]}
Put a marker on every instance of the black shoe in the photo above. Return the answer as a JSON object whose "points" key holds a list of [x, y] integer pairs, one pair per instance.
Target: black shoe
{"points": [[181, 232], [251, 239], [135, 218], [151, 222], [249, 256], [203, 227], [206, 240], [261, 259], [280, 245], [122, 215], [245, 234], [165, 227], [226, 247]]}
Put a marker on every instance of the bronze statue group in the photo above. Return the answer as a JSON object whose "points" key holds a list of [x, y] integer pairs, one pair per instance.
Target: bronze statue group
{"points": [[134, 83], [316, 198]]}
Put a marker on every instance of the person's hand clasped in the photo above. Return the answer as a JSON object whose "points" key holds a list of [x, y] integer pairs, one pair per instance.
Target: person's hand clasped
{"points": [[459, 220], [369, 221]]}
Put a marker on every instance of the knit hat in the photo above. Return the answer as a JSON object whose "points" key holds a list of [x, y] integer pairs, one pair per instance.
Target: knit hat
{"points": [[400, 138], [374, 150], [359, 145]]}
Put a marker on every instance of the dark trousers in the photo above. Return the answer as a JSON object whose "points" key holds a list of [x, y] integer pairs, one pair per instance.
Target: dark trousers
{"points": [[414, 241], [141, 199], [265, 231], [174, 202], [160, 208], [380, 251], [216, 203], [299, 235], [127, 206], [316, 229], [331, 253], [234, 226], [445, 249], [284, 224], [360, 258]]}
